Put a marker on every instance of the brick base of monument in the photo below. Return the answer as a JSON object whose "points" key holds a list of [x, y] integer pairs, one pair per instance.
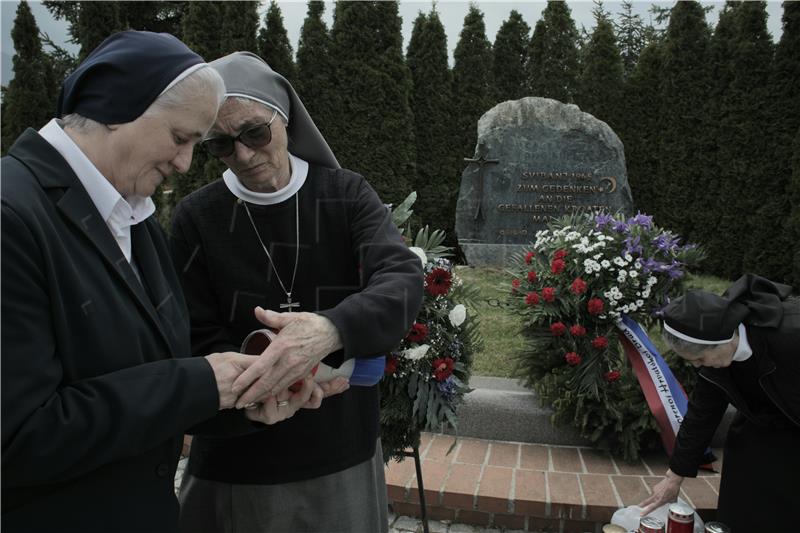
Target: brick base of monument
{"points": [[532, 487]]}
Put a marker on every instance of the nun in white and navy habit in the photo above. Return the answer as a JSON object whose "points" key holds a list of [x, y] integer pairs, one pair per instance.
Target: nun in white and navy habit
{"points": [[97, 382], [332, 245], [761, 462]]}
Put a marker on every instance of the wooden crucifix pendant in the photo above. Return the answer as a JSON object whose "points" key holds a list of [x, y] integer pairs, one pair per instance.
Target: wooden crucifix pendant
{"points": [[289, 305]]}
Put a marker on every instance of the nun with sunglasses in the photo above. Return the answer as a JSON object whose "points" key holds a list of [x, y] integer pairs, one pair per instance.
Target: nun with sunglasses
{"points": [[97, 383], [289, 239]]}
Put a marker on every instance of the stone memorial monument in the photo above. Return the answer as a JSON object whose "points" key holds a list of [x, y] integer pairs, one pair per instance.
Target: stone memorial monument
{"points": [[535, 159]]}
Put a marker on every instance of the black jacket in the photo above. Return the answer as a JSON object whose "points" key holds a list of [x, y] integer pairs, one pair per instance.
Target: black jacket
{"points": [[97, 387], [777, 354]]}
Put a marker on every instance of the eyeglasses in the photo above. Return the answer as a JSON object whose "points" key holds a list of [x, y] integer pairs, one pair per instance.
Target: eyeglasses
{"points": [[253, 137]]}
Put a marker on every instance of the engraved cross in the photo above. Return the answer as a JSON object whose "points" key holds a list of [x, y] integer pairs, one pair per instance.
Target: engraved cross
{"points": [[289, 305], [481, 162]]}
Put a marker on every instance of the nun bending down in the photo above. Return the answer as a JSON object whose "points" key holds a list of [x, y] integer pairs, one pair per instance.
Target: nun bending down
{"points": [[312, 248], [746, 344]]}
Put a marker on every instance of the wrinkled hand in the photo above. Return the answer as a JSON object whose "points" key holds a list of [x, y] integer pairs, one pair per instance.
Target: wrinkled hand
{"points": [[272, 409], [228, 366], [303, 340], [665, 491], [337, 385]]}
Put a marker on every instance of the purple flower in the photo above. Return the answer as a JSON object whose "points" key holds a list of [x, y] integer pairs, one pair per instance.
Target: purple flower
{"points": [[642, 220], [619, 226], [447, 387], [666, 242], [602, 220], [674, 270], [651, 265], [632, 245]]}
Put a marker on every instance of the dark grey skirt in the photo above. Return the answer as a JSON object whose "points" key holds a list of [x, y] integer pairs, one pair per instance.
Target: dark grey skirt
{"points": [[350, 501]]}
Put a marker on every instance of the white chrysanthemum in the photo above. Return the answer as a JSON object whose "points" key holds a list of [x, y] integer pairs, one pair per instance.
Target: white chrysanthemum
{"points": [[633, 273], [605, 263], [457, 315], [416, 353], [628, 257], [651, 280], [619, 261], [420, 253], [640, 303]]}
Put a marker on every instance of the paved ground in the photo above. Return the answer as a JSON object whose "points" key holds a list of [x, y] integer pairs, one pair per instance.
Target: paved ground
{"points": [[404, 524], [397, 524]]}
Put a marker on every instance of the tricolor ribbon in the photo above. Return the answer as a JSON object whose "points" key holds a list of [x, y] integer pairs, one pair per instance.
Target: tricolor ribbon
{"points": [[665, 396]]}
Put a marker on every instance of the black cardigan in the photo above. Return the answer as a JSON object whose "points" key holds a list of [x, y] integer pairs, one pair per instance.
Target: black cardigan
{"points": [[354, 268]]}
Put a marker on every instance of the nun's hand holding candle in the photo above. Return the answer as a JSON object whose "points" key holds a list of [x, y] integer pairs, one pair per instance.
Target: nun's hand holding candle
{"points": [[97, 383], [746, 344]]}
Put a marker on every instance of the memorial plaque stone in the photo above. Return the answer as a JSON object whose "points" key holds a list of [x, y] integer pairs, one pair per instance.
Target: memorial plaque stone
{"points": [[536, 158]]}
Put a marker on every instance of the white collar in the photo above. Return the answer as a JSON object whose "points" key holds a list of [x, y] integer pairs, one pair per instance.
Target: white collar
{"points": [[109, 202], [296, 180], [743, 350]]}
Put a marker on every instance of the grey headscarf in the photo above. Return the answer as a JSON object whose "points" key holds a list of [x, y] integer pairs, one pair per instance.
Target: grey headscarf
{"points": [[248, 76]]}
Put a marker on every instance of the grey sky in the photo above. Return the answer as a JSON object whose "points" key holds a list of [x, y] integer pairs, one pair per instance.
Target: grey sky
{"points": [[451, 12]]}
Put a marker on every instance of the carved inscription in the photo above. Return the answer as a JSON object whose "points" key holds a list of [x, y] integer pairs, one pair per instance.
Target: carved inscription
{"points": [[552, 195]]}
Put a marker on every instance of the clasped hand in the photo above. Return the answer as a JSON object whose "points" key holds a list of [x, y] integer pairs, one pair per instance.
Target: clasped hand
{"points": [[261, 383]]}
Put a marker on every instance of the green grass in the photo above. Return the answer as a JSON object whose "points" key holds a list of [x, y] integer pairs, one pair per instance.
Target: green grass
{"points": [[501, 330]]}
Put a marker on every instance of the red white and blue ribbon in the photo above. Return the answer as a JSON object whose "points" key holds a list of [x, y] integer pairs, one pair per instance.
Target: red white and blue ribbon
{"points": [[665, 396]]}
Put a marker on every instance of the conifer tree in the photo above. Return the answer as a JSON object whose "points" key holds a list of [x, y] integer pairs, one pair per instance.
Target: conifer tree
{"points": [[27, 101], [472, 84], [273, 43], [533, 61], [156, 16], [373, 128], [706, 218], [793, 222], [314, 73], [601, 85], [684, 82], [743, 139], [631, 37], [556, 76], [239, 26], [436, 184], [96, 21], [770, 230], [510, 54], [641, 132], [198, 17]]}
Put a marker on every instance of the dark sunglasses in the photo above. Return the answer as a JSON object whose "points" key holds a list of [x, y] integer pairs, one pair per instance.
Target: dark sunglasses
{"points": [[253, 137]]}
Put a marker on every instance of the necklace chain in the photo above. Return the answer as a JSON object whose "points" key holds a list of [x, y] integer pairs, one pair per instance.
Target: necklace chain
{"points": [[269, 257]]}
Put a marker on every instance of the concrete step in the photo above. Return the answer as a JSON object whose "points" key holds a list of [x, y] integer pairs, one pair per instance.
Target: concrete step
{"points": [[503, 409]]}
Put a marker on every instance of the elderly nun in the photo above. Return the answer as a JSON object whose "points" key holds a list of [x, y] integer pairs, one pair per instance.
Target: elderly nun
{"points": [[312, 249], [97, 383], [746, 344]]}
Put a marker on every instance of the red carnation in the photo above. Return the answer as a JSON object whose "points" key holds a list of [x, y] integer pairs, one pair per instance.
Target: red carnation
{"points": [[437, 283], [549, 294], [558, 329], [600, 342], [529, 257], [560, 254], [515, 283], [611, 376], [391, 366], [578, 286], [557, 266], [595, 306], [572, 359], [531, 276], [577, 330], [442, 368], [418, 333], [532, 298]]}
